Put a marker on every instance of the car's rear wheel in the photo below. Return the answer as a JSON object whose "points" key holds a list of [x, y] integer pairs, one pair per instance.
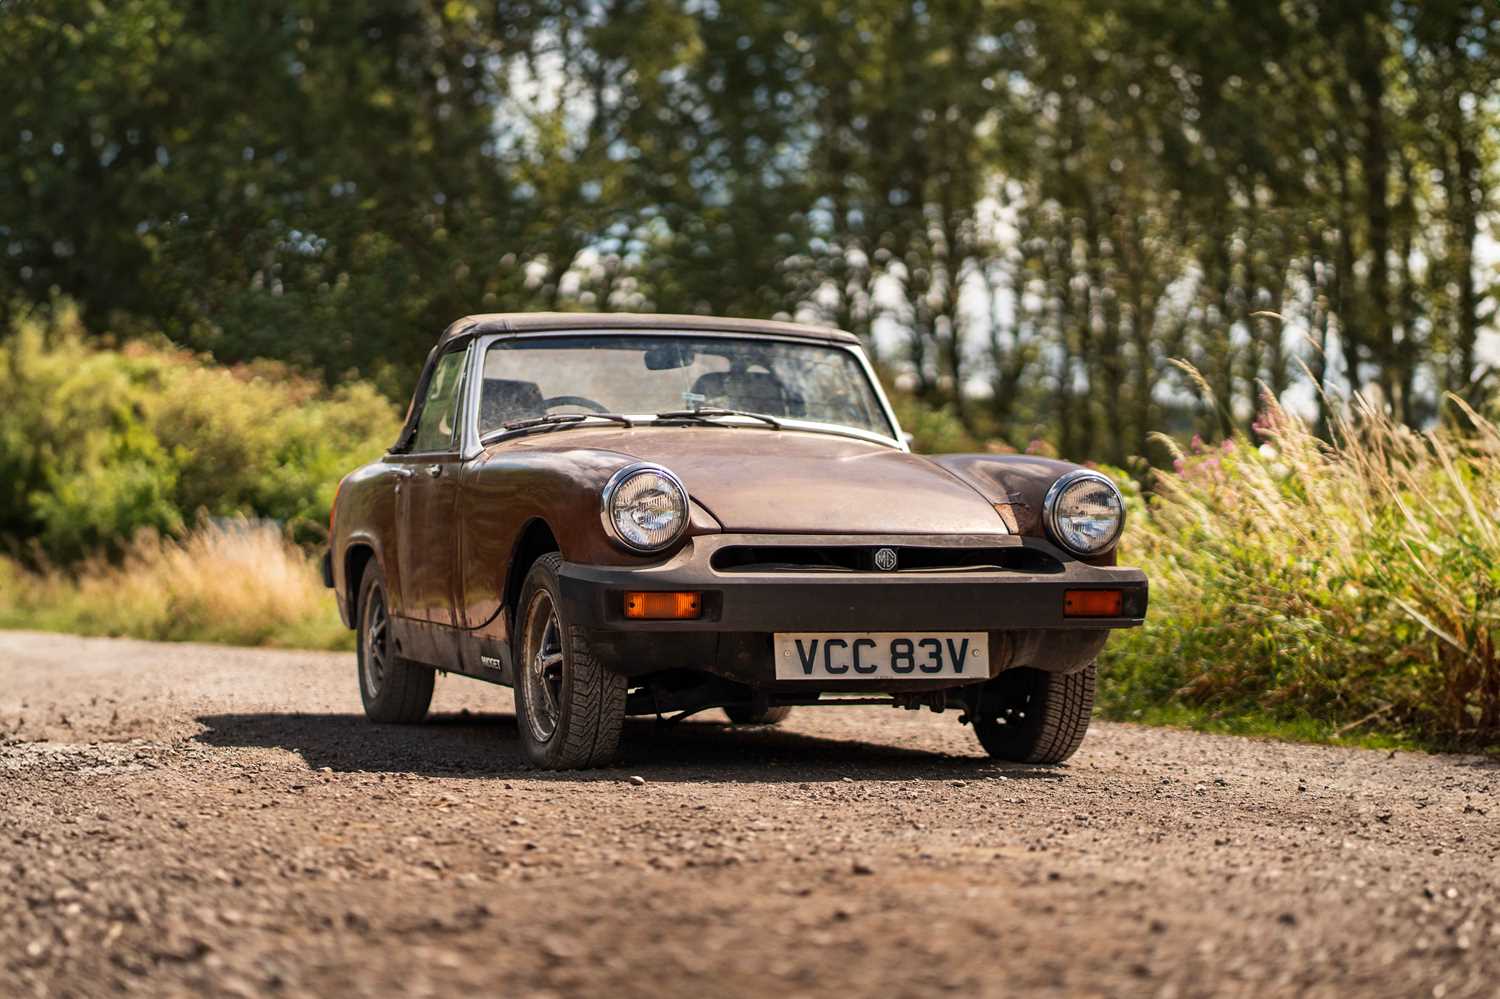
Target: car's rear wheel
{"points": [[569, 708], [393, 689], [742, 714], [1031, 716]]}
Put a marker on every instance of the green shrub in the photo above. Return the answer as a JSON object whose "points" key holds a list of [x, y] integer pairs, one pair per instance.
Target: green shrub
{"points": [[934, 430], [98, 444], [1351, 587]]}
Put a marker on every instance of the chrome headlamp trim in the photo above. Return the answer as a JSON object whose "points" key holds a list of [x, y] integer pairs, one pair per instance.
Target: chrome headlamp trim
{"points": [[1049, 509], [606, 499]]}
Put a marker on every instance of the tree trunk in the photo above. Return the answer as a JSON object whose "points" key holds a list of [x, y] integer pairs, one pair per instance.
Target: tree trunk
{"points": [[1375, 164]]}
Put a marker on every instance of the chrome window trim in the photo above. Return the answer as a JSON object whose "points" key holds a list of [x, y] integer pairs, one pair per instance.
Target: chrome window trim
{"points": [[482, 346], [461, 419]]}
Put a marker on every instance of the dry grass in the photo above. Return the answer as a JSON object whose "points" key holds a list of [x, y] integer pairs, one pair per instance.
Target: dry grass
{"points": [[233, 582], [1354, 583]]}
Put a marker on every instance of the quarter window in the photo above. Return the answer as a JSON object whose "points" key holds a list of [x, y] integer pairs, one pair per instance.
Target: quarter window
{"points": [[440, 409]]}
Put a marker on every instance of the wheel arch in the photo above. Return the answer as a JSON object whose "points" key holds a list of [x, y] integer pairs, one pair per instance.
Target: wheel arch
{"points": [[357, 558], [535, 540]]}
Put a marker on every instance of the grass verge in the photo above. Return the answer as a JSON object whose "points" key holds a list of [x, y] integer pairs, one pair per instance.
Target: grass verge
{"points": [[234, 582]]}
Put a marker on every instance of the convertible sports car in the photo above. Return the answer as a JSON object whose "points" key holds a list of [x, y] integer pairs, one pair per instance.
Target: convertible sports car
{"points": [[632, 514]]}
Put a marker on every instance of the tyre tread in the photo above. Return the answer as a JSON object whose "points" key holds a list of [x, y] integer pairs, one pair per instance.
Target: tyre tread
{"points": [[1064, 703], [594, 709]]}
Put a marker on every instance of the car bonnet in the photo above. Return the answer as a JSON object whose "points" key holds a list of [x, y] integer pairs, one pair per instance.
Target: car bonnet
{"points": [[788, 481]]}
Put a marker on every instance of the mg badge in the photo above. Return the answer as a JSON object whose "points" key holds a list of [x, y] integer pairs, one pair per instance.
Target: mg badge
{"points": [[885, 559]]}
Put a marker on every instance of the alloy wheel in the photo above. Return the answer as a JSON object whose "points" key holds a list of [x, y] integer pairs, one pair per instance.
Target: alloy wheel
{"points": [[376, 643], [542, 666]]}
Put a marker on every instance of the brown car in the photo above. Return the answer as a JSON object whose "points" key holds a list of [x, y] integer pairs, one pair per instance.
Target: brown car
{"points": [[656, 515]]}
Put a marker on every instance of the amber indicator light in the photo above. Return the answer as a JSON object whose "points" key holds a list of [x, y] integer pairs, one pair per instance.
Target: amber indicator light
{"points": [[1093, 603], [663, 606]]}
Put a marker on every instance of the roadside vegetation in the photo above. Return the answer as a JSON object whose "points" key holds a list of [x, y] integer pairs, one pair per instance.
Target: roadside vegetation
{"points": [[235, 582], [1300, 588], [99, 443], [149, 493]]}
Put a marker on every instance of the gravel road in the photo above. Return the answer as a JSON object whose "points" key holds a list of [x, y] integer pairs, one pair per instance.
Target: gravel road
{"points": [[181, 819]]}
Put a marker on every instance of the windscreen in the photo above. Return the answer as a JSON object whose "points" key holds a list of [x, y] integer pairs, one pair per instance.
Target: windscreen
{"points": [[646, 374]]}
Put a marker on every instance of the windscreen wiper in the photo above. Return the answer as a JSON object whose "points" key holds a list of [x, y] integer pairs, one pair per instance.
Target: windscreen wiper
{"points": [[710, 413], [555, 420]]}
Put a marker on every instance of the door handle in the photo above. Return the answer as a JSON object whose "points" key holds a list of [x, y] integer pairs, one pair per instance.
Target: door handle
{"points": [[433, 471], [403, 473]]}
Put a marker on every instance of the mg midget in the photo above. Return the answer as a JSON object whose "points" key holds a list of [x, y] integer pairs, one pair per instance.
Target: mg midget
{"points": [[657, 515]]}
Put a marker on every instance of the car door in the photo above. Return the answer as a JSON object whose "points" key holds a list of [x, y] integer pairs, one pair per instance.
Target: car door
{"points": [[427, 497]]}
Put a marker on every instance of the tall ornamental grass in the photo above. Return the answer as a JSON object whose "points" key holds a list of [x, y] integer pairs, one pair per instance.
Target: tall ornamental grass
{"points": [[1349, 587], [236, 582]]}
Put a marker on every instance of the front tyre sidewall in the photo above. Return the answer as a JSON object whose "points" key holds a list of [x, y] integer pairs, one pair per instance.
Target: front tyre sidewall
{"points": [[591, 698]]}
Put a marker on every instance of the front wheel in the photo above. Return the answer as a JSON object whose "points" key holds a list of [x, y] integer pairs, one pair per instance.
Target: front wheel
{"points": [[1031, 716], [569, 708], [393, 689]]}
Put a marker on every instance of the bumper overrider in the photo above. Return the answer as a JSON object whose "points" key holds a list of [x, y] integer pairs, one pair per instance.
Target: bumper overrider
{"points": [[1025, 610]]}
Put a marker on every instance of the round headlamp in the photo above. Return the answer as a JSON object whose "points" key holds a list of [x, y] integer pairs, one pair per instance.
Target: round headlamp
{"points": [[1084, 512], [645, 507]]}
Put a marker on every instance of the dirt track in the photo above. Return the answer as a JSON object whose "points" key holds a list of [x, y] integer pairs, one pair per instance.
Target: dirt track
{"points": [[191, 819]]}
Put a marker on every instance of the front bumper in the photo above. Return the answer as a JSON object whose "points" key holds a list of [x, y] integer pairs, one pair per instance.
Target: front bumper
{"points": [[1022, 611]]}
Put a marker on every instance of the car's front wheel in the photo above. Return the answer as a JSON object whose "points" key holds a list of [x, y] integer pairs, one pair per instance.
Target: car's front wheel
{"points": [[569, 708], [1032, 716], [393, 689]]}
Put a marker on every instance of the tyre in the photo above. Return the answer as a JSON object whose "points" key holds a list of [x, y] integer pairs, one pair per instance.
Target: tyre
{"points": [[394, 690], [1032, 716], [569, 708], [743, 715]]}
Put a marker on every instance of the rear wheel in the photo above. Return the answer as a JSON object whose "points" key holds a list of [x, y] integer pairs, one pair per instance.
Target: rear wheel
{"points": [[745, 715], [1031, 716], [569, 708], [393, 689]]}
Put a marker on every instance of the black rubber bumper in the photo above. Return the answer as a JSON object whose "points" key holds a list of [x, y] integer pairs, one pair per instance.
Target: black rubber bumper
{"points": [[997, 600], [1021, 611]]}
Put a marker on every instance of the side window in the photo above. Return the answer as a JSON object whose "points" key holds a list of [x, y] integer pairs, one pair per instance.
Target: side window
{"points": [[440, 409]]}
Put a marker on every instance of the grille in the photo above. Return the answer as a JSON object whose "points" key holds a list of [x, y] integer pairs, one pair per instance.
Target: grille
{"points": [[861, 558]]}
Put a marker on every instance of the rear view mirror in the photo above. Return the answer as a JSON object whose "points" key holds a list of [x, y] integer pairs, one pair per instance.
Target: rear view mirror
{"points": [[668, 356]]}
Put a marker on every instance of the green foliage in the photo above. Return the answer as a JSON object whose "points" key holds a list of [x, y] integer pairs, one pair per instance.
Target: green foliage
{"points": [[99, 443], [299, 179], [1352, 588], [934, 430], [1048, 198]]}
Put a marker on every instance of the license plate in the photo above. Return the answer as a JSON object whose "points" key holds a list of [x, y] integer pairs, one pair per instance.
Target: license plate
{"points": [[875, 655]]}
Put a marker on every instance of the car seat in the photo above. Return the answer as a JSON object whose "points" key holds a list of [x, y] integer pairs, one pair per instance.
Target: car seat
{"points": [[753, 391], [505, 400]]}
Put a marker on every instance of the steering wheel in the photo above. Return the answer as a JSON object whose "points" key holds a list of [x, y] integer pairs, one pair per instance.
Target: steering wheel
{"points": [[574, 400]]}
